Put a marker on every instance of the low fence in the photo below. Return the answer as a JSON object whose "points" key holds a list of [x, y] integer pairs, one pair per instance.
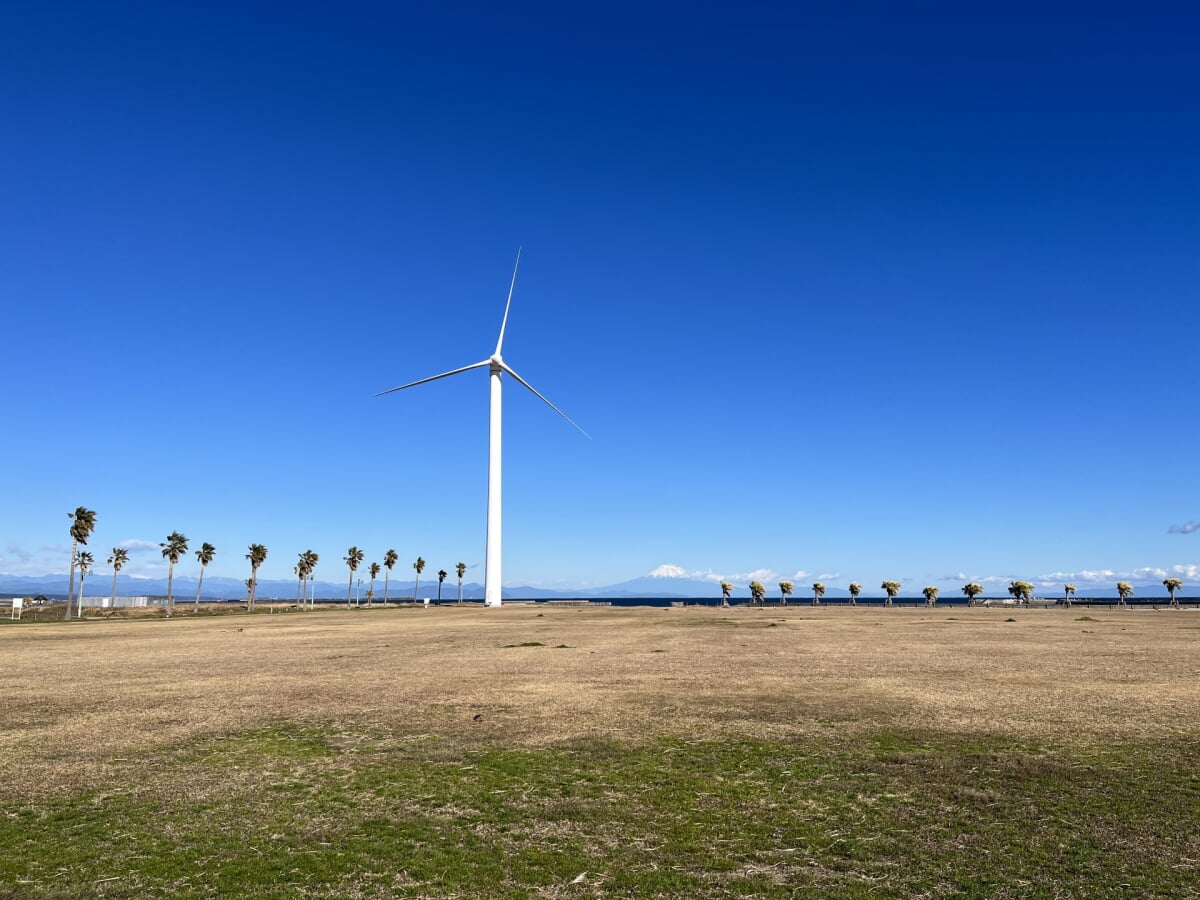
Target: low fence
{"points": [[108, 602]]}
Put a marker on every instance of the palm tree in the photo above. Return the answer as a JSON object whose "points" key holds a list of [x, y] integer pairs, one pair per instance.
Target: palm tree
{"points": [[1021, 590], [174, 548], [419, 565], [119, 557], [85, 565], [785, 591], [442, 574], [389, 559], [203, 556], [1172, 585], [1124, 590], [257, 556], [373, 570], [757, 592], [726, 590], [303, 569], [352, 558], [931, 595], [1068, 593], [855, 590], [892, 588], [972, 591], [310, 563], [83, 523], [818, 592], [461, 569]]}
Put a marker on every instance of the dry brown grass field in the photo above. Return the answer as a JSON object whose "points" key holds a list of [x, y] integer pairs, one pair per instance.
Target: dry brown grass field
{"points": [[604, 752], [84, 697]]}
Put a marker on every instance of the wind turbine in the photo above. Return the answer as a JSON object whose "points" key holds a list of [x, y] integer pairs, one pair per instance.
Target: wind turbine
{"points": [[497, 366]]}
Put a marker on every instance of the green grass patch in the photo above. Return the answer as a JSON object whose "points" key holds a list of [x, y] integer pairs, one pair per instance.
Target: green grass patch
{"points": [[287, 812]]}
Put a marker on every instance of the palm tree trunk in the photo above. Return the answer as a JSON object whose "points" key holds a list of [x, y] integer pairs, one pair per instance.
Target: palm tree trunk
{"points": [[386, 576], [71, 589], [112, 603], [350, 589], [199, 585], [170, 587], [460, 590], [80, 607]]}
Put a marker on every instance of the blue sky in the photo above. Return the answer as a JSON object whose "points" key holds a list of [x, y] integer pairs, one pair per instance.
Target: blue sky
{"points": [[849, 291]]}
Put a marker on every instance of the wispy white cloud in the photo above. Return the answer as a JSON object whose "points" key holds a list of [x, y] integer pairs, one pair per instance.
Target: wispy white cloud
{"points": [[1146, 574], [14, 551], [829, 576], [1140, 575], [800, 576], [134, 545], [17, 559], [670, 570], [1186, 528], [1086, 575], [766, 576]]}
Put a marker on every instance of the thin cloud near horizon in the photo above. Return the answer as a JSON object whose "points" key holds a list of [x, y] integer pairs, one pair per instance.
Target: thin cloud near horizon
{"points": [[136, 545], [1141, 575]]}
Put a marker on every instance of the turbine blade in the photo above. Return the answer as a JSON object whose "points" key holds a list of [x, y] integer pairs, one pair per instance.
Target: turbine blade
{"points": [[534, 390], [509, 303], [435, 377]]}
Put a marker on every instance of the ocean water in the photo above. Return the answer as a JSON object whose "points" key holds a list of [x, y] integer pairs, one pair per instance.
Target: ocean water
{"points": [[960, 601]]}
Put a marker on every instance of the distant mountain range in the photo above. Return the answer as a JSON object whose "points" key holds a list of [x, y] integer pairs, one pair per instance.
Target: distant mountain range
{"points": [[647, 587], [219, 588]]}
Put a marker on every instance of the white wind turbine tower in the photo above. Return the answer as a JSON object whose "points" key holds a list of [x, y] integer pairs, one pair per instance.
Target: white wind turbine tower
{"points": [[497, 366]]}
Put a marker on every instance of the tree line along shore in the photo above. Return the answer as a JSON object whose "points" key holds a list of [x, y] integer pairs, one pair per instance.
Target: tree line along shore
{"points": [[176, 546]]}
